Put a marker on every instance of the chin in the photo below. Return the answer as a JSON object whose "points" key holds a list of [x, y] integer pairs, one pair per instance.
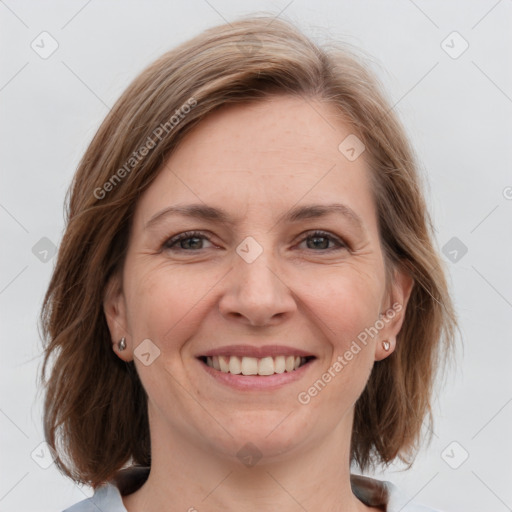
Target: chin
{"points": [[269, 435]]}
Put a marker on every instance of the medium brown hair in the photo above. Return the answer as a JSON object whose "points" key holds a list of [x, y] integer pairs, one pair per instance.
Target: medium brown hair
{"points": [[95, 410]]}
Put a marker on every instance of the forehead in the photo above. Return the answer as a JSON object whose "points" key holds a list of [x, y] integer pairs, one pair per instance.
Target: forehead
{"points": [[267, 156], [288, 127]]}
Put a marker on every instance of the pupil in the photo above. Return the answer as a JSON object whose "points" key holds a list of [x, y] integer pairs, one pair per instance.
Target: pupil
{"points": [[192, 238], [316, 238]]}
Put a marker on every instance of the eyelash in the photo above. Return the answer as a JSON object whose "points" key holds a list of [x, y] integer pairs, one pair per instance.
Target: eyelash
{"points": [[168, 244]]}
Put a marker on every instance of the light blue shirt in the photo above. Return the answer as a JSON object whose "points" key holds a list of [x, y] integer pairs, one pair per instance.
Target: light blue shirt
{"points": [[370, 491]]}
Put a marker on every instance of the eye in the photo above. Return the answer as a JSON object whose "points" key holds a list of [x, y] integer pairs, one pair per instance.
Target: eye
{"points": [[182, 242], [192, 241], [321, 239]]}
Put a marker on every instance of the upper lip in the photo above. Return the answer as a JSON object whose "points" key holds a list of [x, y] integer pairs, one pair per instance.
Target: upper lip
{"points": [[255, 351]]}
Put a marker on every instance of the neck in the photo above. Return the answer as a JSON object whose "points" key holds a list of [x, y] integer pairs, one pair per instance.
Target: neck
{"points": [[187, 477]]}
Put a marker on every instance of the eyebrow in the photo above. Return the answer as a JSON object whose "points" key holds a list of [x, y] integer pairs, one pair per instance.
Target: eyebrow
{"points": [[296, 214]]}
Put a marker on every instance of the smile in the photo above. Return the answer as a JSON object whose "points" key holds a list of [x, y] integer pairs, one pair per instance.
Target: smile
{"points": [[263, 366]]}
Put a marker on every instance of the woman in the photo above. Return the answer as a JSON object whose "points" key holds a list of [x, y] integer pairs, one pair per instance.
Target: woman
{"points": [[247, 301]]}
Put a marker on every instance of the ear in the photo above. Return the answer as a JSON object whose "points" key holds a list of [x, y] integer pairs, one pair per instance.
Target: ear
{"points": [[114, 307], [393, 312]]}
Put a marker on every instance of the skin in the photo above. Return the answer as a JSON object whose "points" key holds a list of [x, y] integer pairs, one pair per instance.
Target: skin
{"points": [[256, 161]]}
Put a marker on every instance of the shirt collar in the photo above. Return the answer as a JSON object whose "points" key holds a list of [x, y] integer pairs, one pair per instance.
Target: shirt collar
{"points": [[372, 492]]}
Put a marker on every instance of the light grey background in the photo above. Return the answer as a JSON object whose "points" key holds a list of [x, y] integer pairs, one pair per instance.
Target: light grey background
{"points": [[456, 110]]}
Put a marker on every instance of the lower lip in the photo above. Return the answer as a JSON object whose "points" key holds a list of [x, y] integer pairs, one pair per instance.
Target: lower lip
{"points": [[257, 382]]}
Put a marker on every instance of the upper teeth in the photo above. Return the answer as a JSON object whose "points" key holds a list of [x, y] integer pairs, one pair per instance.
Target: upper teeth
{"points": [[255, 366]]}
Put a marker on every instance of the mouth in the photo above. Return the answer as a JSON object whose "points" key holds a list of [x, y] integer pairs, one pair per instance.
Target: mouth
{"points": [[256, 366]]}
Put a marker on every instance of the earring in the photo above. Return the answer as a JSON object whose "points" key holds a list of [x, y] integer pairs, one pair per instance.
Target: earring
{"points": [[122, 344], [385, 344]]}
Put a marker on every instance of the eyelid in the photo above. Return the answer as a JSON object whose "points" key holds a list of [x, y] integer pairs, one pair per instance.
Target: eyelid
{"points": [[325, 234], [184, 236]]}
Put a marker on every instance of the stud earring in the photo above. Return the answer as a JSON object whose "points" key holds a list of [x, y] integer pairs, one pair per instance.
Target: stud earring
{"points": [[122, 344], [386, 345]]}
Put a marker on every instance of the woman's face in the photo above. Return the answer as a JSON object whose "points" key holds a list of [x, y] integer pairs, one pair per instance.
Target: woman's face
{"points": [[255, 285]]}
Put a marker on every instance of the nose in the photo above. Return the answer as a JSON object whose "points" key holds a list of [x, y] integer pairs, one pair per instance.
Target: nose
{"points": [[256, 293]]}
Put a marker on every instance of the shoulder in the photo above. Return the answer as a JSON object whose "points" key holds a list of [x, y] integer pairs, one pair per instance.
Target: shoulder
{"points": [[377, 493], [106, 498], [398, 501]]}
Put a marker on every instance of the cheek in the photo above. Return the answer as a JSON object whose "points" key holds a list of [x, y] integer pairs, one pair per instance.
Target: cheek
{"points": [[167, 303], [342, 377], [347, 303], [164, 303], [347, 306]]}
